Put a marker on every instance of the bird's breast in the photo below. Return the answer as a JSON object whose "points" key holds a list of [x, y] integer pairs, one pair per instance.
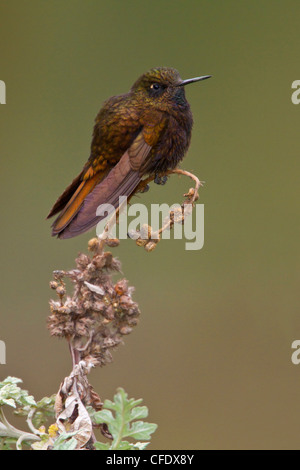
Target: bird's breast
{"points": [[172, 145]]}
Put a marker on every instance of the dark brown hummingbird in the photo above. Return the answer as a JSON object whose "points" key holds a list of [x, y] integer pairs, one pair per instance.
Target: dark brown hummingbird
{"points": [[146, 131]]}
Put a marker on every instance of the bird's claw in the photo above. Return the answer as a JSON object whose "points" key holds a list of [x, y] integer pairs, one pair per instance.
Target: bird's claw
{"points": [[145, 189], [160, 179]]}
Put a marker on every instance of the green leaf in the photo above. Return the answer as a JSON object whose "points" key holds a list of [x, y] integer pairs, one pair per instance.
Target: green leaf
{"points": [[141, 445], [125, 445], [44, 409], [65, 441], [12, 395], [10, 380], [141, 430], [139, 412], [9, 402], [109, 405], [104, 416], [122, 422]]}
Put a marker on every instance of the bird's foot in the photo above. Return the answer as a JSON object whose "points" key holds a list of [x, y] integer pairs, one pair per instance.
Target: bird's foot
{"points": [[160, 179], [145, 189]]}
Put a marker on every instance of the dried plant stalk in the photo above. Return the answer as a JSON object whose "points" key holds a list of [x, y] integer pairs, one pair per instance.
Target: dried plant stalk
{"points": [[93, 321], [97, 316]]}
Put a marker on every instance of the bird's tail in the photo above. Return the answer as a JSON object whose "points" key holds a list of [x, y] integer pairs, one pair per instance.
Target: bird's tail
{"points": [[79, 213]]}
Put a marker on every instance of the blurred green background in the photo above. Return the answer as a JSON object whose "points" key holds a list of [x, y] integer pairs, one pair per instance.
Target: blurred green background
{"points": [[212, 353]]}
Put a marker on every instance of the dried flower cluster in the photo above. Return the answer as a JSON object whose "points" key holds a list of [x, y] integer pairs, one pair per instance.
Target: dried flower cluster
{"points": [[99, 313]]}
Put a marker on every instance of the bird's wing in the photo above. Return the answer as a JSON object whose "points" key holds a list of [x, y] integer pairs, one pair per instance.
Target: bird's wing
{"points": [[79, 215]]}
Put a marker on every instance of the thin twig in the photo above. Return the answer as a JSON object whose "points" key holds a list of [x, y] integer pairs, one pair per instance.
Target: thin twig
{"points": [[153, 238]]}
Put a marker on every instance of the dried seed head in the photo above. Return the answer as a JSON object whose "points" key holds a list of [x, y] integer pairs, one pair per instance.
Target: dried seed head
{"points": [[141, 242], [110, 313], [145, 232], [126, 301], [192, 195], [112, 242], [99, 313], [108, 257], [82, 261], [99, 261], [98, 306], [58, 275], [93, 244], [150, 246], [125, 330], [60, 290], [88, 305], [121, 287]]}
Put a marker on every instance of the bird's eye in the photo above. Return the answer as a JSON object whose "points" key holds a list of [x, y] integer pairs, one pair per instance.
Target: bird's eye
{"points": [[155, 86]]}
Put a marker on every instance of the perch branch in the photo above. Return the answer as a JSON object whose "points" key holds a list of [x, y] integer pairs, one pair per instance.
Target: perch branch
{"points": [[147, 237]]}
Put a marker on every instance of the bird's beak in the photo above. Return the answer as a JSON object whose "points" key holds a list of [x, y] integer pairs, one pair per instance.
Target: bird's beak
{"points": [[192, 80]]}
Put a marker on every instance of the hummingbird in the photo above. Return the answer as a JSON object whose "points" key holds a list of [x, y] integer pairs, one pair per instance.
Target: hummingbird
{"points": [[146, 131]]}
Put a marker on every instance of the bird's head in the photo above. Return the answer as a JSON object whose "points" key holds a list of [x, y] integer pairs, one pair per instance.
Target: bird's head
{"points": [[163, 87]]}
